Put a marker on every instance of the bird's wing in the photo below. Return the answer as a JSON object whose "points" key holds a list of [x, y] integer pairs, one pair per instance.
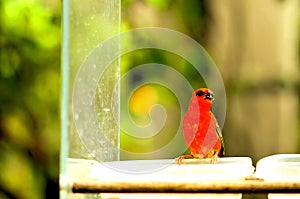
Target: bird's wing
{"points": [[219, 133]]}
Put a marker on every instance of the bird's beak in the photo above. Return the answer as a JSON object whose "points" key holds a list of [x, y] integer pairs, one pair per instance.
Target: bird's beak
{"points": [[209, 95]]}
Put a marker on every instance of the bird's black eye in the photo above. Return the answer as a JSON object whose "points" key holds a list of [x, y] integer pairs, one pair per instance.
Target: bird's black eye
{"points": [[200, 93]]}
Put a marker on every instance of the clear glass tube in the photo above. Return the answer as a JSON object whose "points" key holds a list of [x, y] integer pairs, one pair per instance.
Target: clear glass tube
{"points": [[90, 97]]}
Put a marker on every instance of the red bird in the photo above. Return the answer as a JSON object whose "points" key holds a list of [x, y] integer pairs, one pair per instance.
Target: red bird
{"points": [[201, 130]]}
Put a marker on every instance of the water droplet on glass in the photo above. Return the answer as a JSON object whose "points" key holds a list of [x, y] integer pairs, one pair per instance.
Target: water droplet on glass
{"points": [[80, 131], [106, 109], [76, 116]]}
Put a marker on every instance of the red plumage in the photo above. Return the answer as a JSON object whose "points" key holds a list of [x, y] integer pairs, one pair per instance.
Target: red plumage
{"points": [[200, 127]]}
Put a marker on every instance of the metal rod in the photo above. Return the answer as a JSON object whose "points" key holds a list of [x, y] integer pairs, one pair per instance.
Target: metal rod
{"points": [[240, 186]]}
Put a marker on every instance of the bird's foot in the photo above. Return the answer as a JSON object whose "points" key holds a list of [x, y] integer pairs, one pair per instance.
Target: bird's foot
{"points": [[214, 159], [180, 158]]}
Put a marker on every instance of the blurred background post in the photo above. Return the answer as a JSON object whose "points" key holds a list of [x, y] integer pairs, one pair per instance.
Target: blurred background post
{"points": [[256, 46]]}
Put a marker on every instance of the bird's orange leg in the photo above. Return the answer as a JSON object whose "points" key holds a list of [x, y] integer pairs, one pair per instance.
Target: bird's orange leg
{"points": [[214, 157], [180, 158]]}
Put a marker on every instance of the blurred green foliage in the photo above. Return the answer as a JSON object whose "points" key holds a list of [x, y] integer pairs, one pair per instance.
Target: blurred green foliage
{"points": [[184, 16], [29, 101], [146, 96]]}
